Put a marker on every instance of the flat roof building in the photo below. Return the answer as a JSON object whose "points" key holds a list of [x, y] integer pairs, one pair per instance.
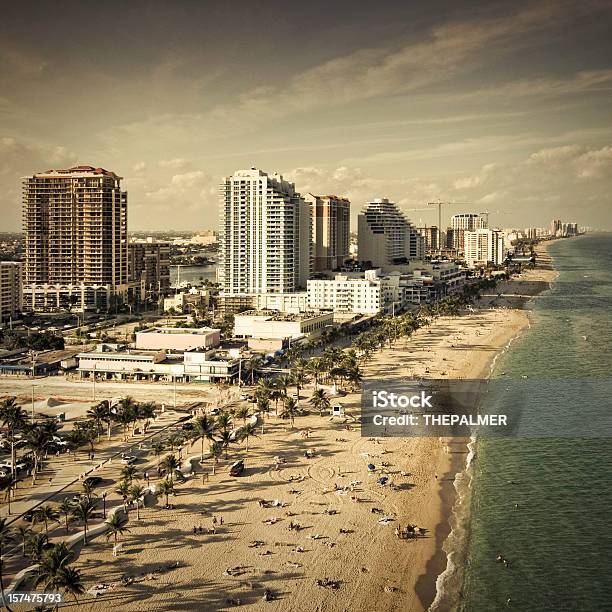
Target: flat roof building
{"points": [[177, 338]]}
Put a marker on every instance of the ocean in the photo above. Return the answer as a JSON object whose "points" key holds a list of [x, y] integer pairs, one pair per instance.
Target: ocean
{"points": [[544, 503]]}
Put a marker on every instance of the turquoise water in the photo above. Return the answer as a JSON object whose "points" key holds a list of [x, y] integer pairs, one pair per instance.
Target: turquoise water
{"points": [[558, 540]]}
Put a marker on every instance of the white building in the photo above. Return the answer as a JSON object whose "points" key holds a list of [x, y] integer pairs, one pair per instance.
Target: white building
{"points": [[265, 235], [385, 235], [177, 338], [483, 247], [461, 223], [10, 290], [115, 363], [275, 325], [345, 294]]}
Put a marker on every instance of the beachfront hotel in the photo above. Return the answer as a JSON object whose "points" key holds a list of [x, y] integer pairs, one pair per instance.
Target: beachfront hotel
{"points": [[75, 233], [461, 223], [264, 237], [385, 236], [330, 231], [483, 247]]}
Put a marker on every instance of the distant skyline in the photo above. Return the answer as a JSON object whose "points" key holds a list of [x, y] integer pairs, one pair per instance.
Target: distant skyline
{"points": [[507, 106]]}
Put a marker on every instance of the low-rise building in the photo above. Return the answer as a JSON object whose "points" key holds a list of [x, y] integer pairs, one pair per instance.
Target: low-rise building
{"points": [[177, 338], [188, 301], [120, 363], [293, 302], [273, 324]]}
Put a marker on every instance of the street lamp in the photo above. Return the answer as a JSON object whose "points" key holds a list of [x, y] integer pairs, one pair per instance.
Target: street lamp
{"points": [[104, 504]]}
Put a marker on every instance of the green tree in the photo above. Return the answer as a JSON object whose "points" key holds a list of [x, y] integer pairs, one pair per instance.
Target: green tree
{"points": [[65, 507], [290, 410], [44, 514], [115, 527], [169, 465], [166, 487], [320, 401], [137, 494], [6, 538], [83, 511], [247, 432]]}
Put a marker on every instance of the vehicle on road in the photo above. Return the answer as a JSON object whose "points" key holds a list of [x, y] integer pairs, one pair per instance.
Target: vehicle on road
{"points": [[128, 459], [93, 481]]}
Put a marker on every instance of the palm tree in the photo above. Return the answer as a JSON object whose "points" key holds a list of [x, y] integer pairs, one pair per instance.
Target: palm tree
{"points": [[128, 472], [158, 448], [69, 580], [246, 432], [116, 527], [146, 412], [53, 560], [65, 507], [203, 428], [224, 421], [299, 379], [24, 531], [166, 487], [320, 401], [13, 418], [7, 483], [313, 368], [225, 439], [37, 439], [126, 413], [88, 489], [290, 410], [137, 493], [44, 514], [263, 407], [101, 413], [124, 490], [83, 511], [216, 451], [169, 465], [6, 537], [36, 546], [242, 413]]}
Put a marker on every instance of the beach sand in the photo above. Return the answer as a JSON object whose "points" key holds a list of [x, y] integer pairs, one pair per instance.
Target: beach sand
{"points": [[367, 565]]}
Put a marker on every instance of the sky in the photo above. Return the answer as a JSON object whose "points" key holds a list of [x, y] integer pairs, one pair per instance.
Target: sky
{"points": [[498, 106]]}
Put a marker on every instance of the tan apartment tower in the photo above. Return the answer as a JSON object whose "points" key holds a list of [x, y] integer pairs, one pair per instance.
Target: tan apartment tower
{"points": [[330, 231], [75, 231]]}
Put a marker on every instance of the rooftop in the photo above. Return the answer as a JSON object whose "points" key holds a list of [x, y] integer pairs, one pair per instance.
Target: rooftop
{"points": [[179, 330]]}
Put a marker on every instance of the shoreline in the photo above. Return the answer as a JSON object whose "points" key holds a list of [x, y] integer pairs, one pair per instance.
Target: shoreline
{"points": [[441, 567]]}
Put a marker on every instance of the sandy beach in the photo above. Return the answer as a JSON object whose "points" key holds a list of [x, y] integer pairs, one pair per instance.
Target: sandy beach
{"points": [[342, 555]]}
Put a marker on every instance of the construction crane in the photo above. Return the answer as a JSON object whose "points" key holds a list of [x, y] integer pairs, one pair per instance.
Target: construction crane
{"points": [[440, 204], [486, 214]]}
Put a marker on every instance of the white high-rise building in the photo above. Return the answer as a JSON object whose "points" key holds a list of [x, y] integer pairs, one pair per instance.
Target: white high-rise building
{"points": [[484, 246], [385, 235], [265, 235], [464, 222]]}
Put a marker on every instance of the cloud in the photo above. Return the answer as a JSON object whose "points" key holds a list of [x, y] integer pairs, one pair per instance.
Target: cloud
{"points": [[178, 163]]}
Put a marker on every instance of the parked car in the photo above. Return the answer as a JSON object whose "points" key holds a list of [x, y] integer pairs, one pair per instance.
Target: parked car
{"points": [[237, 468], [28, 516], [215, 411], [94, 481], [8, 465], [128, 459], [187, 426]]}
